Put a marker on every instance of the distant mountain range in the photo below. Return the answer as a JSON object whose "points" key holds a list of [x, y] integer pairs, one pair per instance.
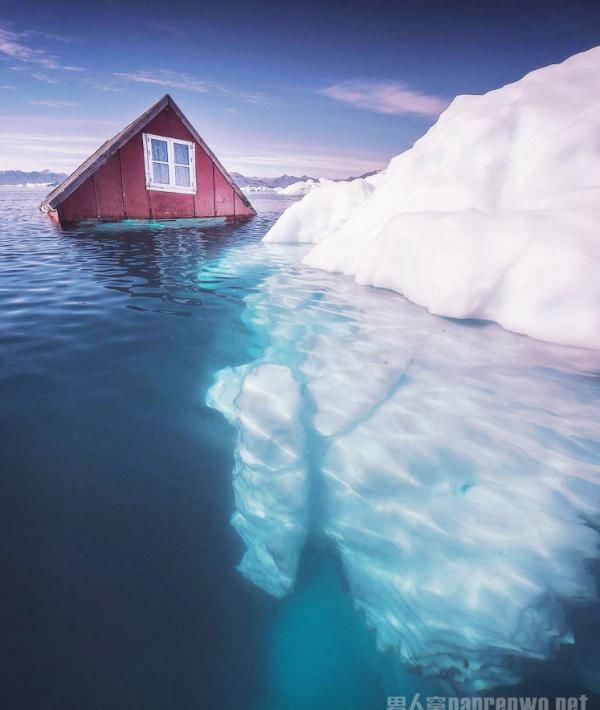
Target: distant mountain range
{"points": [[283, 181], [20, 177], [47, 177]]}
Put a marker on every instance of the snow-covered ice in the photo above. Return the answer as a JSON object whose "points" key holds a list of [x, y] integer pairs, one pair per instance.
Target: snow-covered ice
{"points": [[322, 211], [493, 214]]}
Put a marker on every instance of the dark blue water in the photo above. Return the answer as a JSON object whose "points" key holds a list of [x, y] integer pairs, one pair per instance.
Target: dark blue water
{"points": [[119, 587]]}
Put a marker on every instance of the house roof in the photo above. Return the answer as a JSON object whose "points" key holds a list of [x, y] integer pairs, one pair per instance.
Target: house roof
{"points": [[111, 146]]}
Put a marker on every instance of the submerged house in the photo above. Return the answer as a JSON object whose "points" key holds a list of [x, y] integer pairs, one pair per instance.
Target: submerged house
{"points": [[157, 167]]}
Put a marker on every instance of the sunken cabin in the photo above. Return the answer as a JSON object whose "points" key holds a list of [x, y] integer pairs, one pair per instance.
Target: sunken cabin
{"points": [[157, 167]]}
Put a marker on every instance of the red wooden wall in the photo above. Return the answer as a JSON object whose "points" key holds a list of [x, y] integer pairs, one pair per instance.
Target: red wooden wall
{"points": [[117, 190]]}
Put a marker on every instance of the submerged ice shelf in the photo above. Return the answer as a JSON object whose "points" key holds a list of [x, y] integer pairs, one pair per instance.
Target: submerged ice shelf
{"points": [[455, 465], [271, 482]]}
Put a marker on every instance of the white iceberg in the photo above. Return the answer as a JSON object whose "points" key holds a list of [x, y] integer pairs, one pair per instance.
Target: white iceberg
{"points": [[493, 214], [295, 189], [322, 211], [302, 187], [258, 188]]}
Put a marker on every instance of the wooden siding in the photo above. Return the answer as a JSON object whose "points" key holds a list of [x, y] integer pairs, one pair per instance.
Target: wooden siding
{"points": [[136, 204], [204, 199], [109, 190], [224, 204], [117, 189], [81, 204]]}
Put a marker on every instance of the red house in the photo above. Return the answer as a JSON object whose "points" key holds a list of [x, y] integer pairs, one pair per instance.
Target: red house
{"points": [[157, 167]]}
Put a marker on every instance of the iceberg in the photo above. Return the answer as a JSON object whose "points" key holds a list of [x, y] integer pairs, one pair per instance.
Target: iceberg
{"points": [[302, 187], [454, 465], [321, 211], [494, 214], [295, 189]]}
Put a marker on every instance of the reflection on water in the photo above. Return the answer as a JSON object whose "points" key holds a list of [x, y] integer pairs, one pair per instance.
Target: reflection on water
{"points": [[120, 587]]}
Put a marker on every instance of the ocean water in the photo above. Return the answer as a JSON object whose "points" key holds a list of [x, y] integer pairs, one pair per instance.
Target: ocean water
{"points": [[119, 585]]}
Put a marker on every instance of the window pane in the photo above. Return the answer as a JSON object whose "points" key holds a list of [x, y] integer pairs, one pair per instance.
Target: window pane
{"points": [[182, 153], [182, 176], [160, 173], [159, 150]]}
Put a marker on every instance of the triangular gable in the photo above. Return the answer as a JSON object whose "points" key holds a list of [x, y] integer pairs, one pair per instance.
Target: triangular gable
{"points": [[111, 146]]}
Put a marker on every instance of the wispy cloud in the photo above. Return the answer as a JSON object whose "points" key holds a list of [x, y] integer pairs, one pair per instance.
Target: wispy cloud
{"points": [[44, 77], [13, 46], [181, 80], [7, 87], [173, 79], [100, 86], [323, 163], [29, 137], [53, 104], [168, 28], [250, 97], [19, 46], [66, 39], [32, 151], [385, 97]]}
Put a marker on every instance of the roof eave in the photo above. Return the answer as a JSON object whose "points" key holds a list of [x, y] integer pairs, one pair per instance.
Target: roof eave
{"points": [[101, 156]]}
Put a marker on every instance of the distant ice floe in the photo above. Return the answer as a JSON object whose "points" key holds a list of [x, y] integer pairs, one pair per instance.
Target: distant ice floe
{"points": [[493, 214], [302, 187], [455, 466]]}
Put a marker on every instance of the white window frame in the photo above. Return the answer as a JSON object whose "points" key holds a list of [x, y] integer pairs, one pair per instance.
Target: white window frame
{"points": [[171, 142]]}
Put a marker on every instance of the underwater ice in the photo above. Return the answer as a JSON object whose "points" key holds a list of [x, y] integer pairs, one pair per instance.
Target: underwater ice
{"points": [[493, 214], [455, 465], [270, 476]]}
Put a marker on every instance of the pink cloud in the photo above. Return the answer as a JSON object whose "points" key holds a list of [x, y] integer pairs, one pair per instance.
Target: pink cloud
{"points": [[385, 97]]}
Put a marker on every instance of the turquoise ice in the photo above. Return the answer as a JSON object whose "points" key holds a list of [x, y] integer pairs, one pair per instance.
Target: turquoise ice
{"points": [[454, 465]]}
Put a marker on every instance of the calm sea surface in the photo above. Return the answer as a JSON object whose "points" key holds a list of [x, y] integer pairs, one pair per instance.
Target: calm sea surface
{"points": [[118, 583]]}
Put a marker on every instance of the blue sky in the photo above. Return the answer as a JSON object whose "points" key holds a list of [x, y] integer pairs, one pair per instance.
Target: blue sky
{"points": [[323, 88]]}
